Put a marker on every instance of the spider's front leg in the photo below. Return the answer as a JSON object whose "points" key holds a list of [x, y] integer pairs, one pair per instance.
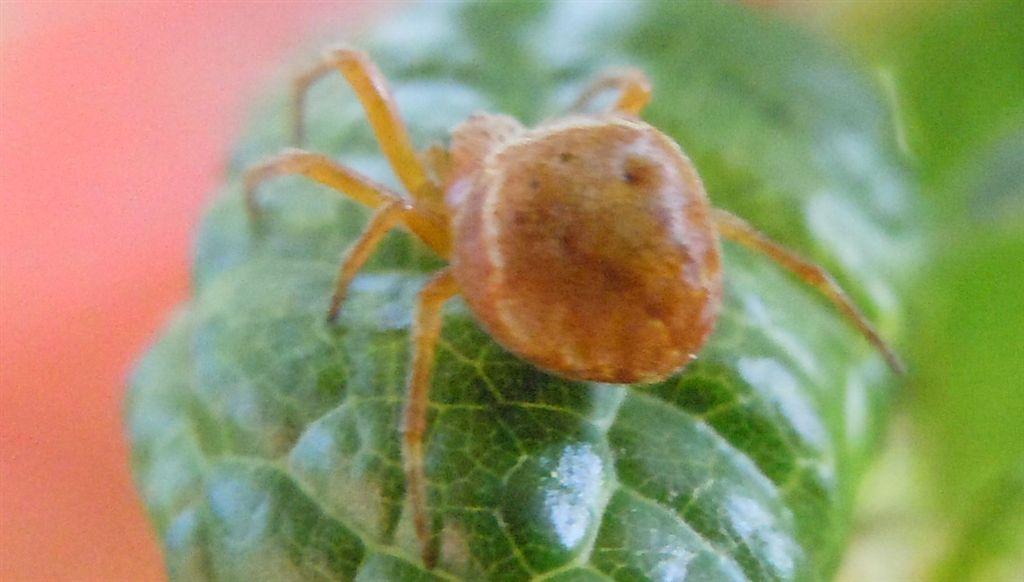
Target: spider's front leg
{"points": [[426, 216], [430, 221], [372, 90], [319, 168], [392, 209], [426, 333]]}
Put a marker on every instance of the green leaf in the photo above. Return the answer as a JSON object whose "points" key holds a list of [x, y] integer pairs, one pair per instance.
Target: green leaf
{"points": [[266, 441]]}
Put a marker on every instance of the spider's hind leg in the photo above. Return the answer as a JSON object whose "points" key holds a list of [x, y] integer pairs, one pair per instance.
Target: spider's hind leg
{"points": [[634, 91], [735, 228]]}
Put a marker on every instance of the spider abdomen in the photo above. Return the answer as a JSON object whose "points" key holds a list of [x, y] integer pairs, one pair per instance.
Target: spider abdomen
{"points": [[586, 248]]}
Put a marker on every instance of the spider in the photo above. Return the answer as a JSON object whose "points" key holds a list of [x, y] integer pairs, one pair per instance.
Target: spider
{"points": [[585, 245]]}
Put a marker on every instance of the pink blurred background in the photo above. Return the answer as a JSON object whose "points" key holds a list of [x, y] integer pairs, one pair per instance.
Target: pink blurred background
{"points": [[115, 120]]}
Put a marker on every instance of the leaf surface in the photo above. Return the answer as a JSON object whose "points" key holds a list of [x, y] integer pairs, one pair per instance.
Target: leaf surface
{"points": [[266, 441]]}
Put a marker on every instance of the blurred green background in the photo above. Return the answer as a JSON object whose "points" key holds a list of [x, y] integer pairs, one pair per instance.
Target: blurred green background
{"points": [[946, 502]]}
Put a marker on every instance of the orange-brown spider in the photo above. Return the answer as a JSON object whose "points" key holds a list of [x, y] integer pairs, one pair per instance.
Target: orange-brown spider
{"points": [[586, 245]]}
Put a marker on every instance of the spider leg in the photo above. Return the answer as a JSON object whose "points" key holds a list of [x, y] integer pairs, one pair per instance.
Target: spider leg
{"points": [[634, 91], [300, 88], [426, 332], [319, 168], [392, 210], [430, 228], [384, 219], [737, 229], [372, 90]]}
